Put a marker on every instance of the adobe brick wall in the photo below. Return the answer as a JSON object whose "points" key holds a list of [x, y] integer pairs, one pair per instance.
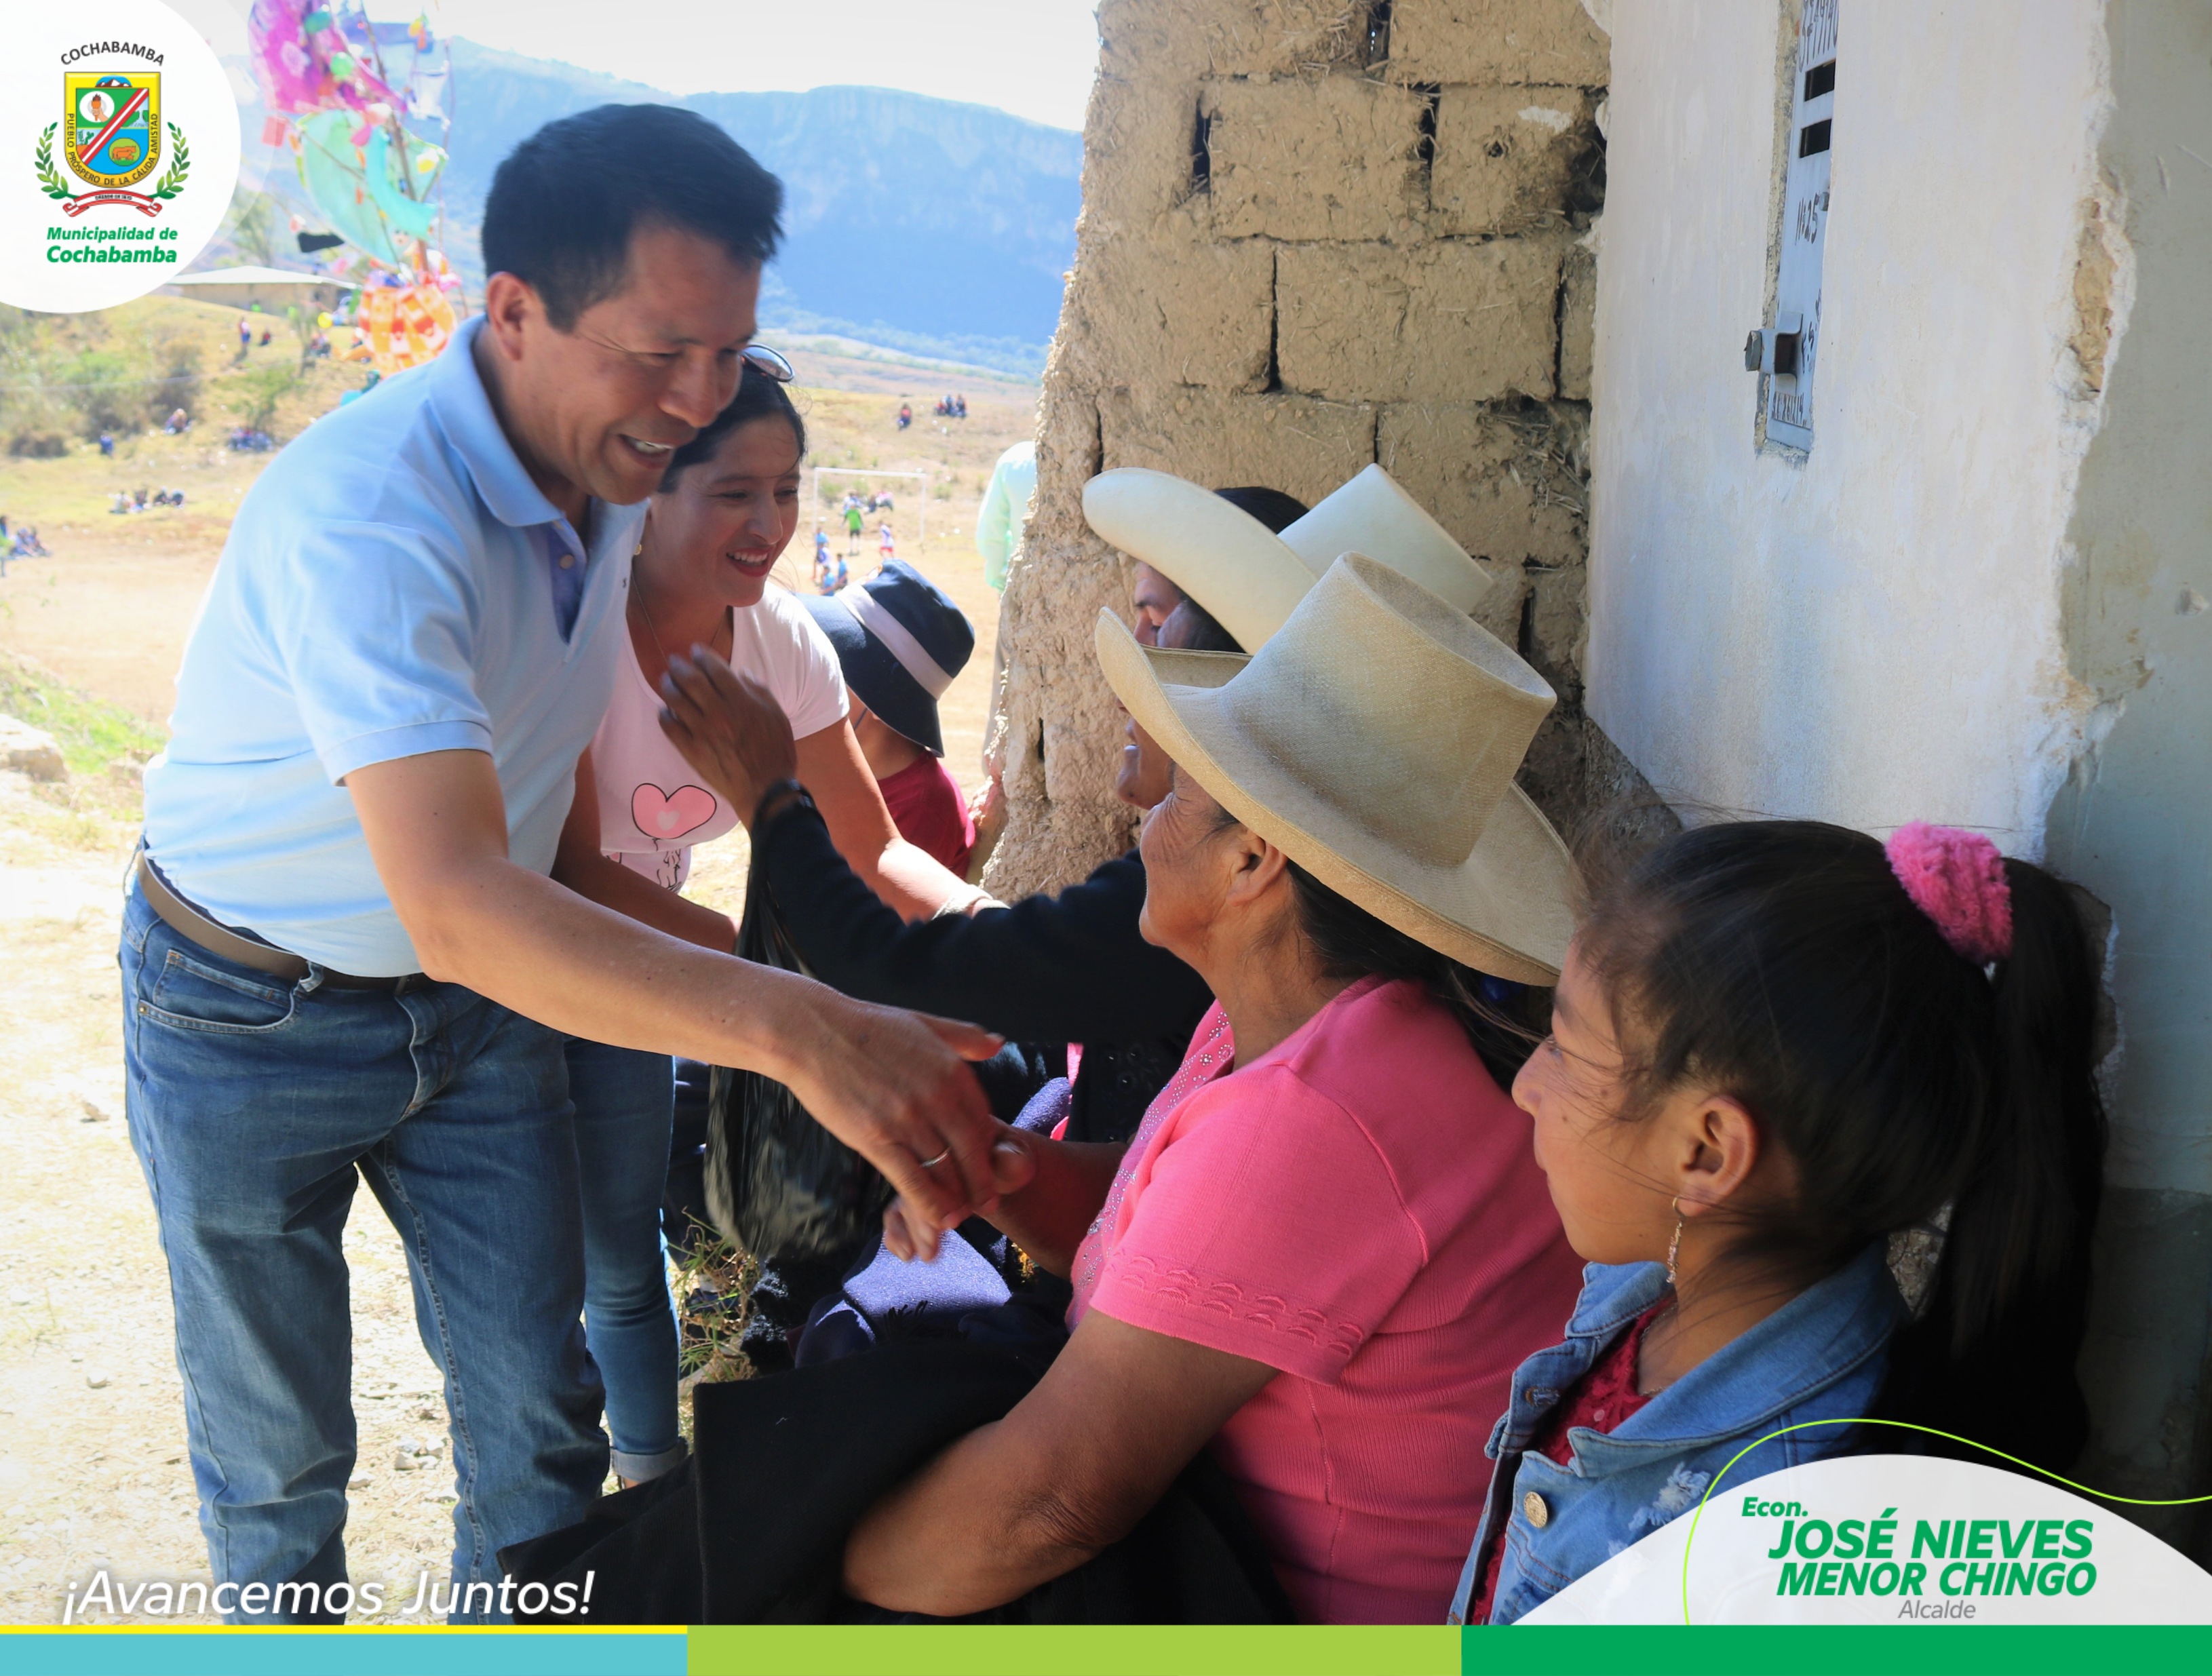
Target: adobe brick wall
{"points": [[1315, 236]]}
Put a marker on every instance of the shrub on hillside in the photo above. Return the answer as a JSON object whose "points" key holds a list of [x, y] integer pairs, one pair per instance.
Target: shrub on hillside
{"points": [[254, 396], [82, 375], [38, 445], [178, 381], [106, 391]]}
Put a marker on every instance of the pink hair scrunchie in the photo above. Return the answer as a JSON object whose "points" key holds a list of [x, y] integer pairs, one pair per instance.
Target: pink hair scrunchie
{"points": [[1958, 880]]}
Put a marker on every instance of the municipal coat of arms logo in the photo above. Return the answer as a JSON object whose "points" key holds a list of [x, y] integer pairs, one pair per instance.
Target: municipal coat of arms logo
{"points": [[112, 131]]}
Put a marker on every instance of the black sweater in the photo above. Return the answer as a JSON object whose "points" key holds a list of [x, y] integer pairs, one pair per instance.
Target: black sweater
{"points": [[752, 1528], [1048, 970]]}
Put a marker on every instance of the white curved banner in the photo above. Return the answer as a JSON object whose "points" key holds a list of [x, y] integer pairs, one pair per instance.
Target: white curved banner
{"points": [[118, 150], [1892, 1539]]}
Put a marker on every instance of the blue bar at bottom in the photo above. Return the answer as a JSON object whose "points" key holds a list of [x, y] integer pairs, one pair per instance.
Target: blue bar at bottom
{"points": [[431, 1650]]}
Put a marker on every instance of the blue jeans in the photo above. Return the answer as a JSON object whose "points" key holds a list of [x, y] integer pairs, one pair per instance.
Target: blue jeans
{"points": [[625, 1102], [252, 1103]]}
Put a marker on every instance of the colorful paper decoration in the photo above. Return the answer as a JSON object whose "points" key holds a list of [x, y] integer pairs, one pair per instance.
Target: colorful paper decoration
{"points": [[341, 87], [404, 326]]}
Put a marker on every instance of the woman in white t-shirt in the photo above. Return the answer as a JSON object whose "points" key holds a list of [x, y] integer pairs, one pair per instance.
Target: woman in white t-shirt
{"points": [[725, 511]]}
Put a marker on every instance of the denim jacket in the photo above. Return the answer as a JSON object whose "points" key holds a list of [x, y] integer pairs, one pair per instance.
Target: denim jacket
{"points": [[1821, 1356]]}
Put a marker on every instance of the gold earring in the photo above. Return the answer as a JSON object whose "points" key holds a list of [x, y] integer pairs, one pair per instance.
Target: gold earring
{"points": [[1675, 1245]]}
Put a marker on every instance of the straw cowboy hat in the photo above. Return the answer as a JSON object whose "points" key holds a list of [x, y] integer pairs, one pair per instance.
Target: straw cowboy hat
{"points": [[1374, 741], [1250, 579]]}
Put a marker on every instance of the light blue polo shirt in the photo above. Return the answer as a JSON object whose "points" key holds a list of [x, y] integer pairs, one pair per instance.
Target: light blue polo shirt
{"points": [[387, 590]]}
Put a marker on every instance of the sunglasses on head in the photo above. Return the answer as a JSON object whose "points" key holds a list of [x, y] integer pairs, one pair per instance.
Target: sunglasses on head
{"points": [[769, 364]]}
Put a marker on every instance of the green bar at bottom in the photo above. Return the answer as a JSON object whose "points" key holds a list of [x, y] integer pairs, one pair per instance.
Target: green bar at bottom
{"points": [[1119, 1649]]}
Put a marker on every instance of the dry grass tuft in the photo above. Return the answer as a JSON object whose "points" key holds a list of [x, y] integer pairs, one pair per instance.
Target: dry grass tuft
{"points": [[715, 1283]]}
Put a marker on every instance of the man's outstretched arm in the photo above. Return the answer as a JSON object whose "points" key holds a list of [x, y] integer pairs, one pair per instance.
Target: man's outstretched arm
{"points": [[890, 1085]]}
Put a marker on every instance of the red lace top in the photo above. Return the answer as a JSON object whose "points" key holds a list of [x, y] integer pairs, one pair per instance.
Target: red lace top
{"points": [[1600, 1399]]}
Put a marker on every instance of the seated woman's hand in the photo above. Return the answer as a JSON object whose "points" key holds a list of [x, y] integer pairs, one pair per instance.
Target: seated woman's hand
{"points": [[729, 727], [911, 1230]]}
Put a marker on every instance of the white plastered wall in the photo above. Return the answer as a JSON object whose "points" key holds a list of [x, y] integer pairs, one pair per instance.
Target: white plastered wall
{"points": [[1869, 634], [1980, 598]]}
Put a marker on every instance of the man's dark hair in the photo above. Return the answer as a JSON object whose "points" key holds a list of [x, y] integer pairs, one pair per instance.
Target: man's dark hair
{"points": [[1195, 629], [566, 201], [1277, 510]]}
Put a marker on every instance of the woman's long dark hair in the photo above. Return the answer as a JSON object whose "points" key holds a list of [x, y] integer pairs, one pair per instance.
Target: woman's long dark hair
{"points": [[758, 397], [1352, 943], [1781, 962]]}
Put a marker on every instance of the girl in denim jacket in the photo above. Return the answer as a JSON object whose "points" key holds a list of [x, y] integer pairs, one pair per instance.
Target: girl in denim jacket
{"points": [[1773, 1043]]}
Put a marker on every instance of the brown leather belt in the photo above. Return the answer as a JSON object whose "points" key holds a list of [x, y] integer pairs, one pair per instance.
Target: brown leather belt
{"points": [[190, 923]]}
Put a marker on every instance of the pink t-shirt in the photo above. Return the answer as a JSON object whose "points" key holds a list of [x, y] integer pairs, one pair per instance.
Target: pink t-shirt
{"points": [[652, 808], [1358, 1207]]}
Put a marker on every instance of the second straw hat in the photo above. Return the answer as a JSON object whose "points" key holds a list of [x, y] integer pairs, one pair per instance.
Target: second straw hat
{"points": [[1374, 740], [1250, 579]]}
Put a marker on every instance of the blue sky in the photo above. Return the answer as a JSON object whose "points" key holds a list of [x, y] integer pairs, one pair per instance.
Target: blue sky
{"points": [[1033, 57]]}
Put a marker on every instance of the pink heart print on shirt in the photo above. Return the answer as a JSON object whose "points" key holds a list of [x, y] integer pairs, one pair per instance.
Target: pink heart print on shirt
{"points": [[661, 813]]}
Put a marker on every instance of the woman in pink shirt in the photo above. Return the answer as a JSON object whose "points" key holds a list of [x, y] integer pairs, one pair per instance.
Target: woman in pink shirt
{"points": [[1327, 1247]]}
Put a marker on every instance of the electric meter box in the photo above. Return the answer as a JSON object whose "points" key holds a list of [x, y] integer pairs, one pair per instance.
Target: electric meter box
{"points": [[1786, 352]]}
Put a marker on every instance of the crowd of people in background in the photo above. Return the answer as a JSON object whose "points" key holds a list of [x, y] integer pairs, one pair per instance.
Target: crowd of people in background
{"points": [[140, 500], [21, 542], [830, 571], [176, 424]]}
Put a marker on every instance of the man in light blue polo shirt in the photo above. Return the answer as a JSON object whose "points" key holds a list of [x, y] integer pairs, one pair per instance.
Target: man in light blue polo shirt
{"points": [[343, 952]]}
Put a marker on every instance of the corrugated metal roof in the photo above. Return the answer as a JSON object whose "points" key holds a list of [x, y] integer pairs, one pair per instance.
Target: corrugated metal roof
{"points": [[252, 276]]}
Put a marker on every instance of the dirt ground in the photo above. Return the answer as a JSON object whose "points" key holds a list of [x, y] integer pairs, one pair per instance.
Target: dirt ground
{"points": [[93, 1470], [92, 1466]]}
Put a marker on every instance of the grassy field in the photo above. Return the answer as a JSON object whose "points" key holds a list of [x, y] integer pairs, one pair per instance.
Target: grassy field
{"points": [[64, 378], [110, 609], [94, 735], [107, 616]]}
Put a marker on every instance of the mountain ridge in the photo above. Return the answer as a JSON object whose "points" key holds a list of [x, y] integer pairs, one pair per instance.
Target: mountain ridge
{"points": [[928, 225]]}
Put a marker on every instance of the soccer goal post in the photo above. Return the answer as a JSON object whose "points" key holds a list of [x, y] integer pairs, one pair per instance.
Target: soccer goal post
{"points": [[837, 472]]}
